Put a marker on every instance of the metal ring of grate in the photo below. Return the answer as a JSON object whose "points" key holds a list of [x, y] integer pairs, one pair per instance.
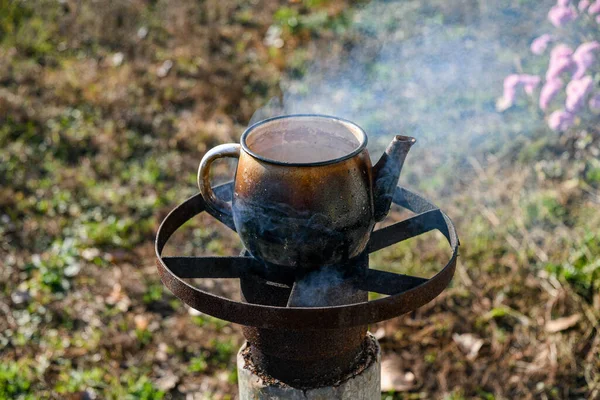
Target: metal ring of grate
{"points": [[406, 293]]}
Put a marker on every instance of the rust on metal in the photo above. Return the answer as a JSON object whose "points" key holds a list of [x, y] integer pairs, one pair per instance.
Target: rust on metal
{"points": [[299, 332], [407, 293], [306, 193], [307, 356]]}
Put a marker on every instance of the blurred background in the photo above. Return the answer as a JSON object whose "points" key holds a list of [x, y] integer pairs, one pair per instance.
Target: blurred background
{"points": [[106, 108]]}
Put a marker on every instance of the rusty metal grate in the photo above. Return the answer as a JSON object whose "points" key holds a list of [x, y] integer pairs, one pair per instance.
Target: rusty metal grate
{"points": [[406, 293], [302, 345]]}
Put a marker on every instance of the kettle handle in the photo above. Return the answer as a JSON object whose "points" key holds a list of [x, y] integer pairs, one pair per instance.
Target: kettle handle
{"points": [[212, 201]]}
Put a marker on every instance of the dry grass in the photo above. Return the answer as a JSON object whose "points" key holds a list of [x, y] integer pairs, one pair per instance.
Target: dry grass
{"points": [[105, 110]]}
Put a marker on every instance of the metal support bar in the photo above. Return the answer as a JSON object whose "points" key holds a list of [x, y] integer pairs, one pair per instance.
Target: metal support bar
{"points": [[409, 228], [389, 283], [208, 267], [300, 318]]}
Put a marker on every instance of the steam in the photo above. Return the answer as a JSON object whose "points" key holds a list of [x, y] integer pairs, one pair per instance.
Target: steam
{"points": [[326, 286], [415, 72], [318, 288], [412, 74]]}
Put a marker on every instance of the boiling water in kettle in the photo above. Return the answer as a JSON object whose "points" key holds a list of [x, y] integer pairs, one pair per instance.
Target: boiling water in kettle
{"points": [[303, 147]]}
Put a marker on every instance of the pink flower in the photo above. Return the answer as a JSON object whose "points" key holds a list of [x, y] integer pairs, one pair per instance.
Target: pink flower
{"points": [[561, 120], [530, 82], [595, 103], [561, 15], [557, 67], [510, 90], [587, 47], [580, 71], [560, 51], [539, 45], [549, 91], [511, 83], [563, 3], [583, 4], [584, 58], [594, 8], [577, 91]]}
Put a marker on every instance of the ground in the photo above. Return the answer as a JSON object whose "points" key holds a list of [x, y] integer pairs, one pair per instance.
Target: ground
{"points": [[107, 107]]}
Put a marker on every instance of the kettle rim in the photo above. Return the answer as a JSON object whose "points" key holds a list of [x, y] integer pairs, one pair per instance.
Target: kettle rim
{"points": [[361, 137]]}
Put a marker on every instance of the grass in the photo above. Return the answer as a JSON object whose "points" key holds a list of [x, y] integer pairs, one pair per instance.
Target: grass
{"points": [[96, 147], [16, 381]]}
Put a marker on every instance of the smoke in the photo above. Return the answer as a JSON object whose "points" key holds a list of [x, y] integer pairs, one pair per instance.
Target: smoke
{"points": [[326, 286], [318, 288], [432, 72]]}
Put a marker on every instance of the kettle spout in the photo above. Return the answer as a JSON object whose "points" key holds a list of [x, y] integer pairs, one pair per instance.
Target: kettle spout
{"points": [[387, 172]]}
